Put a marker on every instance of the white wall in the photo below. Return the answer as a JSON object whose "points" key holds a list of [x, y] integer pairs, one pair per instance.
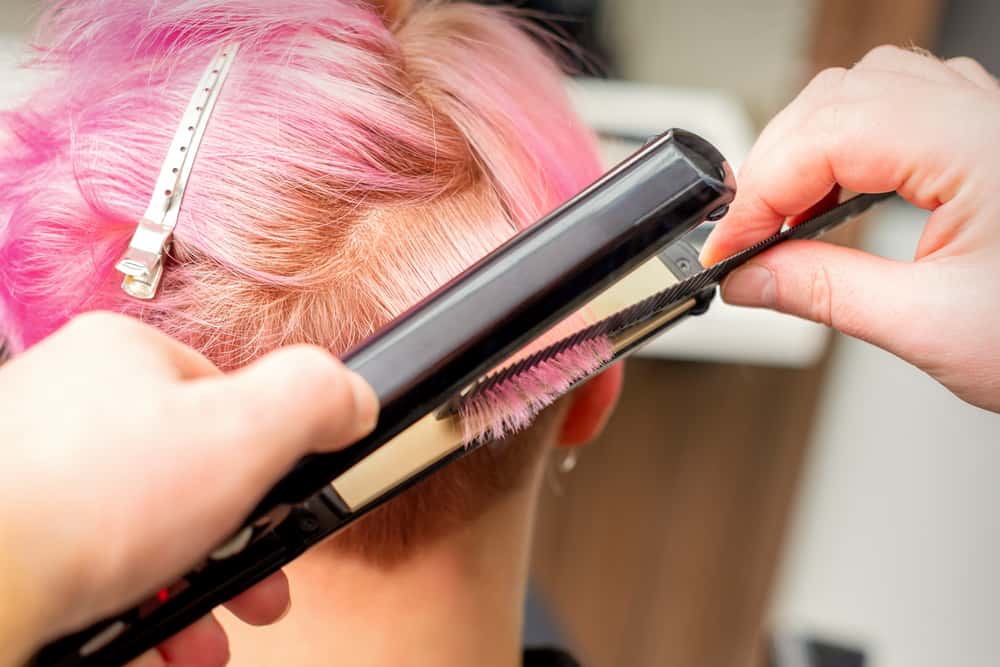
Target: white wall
{"points": [[15, 22], [16, 15], [897, 540]]}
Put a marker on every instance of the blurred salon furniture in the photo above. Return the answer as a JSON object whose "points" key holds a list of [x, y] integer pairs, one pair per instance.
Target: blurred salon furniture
{"points": [[660, 547]]}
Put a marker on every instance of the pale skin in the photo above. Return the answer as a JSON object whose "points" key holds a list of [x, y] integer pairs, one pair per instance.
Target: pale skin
{"points": [[899, 121], [896, 121], [108, 423], [108, 427]]}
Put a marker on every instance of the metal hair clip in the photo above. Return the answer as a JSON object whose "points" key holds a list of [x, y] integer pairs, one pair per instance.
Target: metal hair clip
{"points": [[142, 263]]}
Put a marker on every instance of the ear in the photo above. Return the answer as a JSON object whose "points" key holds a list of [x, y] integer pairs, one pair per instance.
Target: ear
{"points": [[590, 408]]}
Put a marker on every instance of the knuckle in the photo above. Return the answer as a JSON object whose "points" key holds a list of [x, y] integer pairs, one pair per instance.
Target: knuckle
{"points": [[828, 119], [884, 51], [306, 386], [964, 61], [311, 357], [827, 82], [123, 331], [101, 323], [883, 54], [833, 127], [971, 68], [315, 370], [93, 318]]}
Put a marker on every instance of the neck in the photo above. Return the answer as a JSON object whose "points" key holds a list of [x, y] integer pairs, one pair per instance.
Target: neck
{"points": [[456, 602]]}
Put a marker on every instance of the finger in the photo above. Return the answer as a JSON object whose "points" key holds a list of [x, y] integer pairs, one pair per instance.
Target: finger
{"points": [[831, 199], [785, 122], [913, 62], [144, 346], [923, 64], [265, 603], [187, 362], [202, 644], [859, 294], [973, 71], [855, 138], [751, 218], [294, 401], [254, 424]]}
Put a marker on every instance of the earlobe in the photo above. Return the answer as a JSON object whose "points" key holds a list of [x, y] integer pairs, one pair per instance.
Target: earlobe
{"points": [[591, 407]]}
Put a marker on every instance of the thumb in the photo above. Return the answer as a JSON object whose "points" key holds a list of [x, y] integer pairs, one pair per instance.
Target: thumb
{"points": [[859, 294], [225, 440], [294, 401]]}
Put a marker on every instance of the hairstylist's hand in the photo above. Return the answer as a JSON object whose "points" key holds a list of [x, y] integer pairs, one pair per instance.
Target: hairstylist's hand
{"points": [[126, 457], [896, 121]]}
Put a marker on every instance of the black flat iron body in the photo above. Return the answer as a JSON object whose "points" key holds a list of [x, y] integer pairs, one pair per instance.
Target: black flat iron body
{"points": [[523, 288]]}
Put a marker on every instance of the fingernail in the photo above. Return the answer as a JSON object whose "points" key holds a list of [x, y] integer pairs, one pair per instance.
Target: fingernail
{"points": [[366, 402], [751, 285], [705, 257]]}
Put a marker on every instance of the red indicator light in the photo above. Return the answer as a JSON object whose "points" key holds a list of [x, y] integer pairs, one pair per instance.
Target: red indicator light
{"points": [[163, 595]]}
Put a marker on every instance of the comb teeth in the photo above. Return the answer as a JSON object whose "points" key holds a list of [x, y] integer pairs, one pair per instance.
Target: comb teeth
{"points": [[506, 406], [493, 390], [597, 335], [807, 229]]}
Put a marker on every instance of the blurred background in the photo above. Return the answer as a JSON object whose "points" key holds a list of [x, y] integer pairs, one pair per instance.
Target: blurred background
{"points": [[767, 494]]}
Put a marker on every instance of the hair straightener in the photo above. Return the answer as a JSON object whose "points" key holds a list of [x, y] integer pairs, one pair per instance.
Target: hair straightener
{"points": [[613, 249]]}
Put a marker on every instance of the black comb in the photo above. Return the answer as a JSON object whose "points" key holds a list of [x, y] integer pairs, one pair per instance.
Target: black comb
{"points": [[671, 297]]}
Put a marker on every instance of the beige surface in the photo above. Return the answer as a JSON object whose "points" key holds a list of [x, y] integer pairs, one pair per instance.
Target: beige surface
{"points": [[16, 15], [753, 49]]}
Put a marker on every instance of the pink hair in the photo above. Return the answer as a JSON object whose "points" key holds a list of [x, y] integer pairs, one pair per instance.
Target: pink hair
{"points": [[356, 161], [349, 169]]}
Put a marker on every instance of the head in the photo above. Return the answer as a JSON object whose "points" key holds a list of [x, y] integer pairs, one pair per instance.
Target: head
{"points": [[360, 156]]}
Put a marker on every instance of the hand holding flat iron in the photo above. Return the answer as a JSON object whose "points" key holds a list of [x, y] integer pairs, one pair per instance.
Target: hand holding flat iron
{"points": [[902, 121], [128, 456]]}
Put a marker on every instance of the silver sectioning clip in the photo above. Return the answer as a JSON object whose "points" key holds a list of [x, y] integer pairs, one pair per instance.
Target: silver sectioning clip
{"points": [[142, 263]]}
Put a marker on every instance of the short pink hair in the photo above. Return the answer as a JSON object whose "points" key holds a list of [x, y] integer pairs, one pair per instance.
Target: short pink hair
{"points": [[359, 158]]}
